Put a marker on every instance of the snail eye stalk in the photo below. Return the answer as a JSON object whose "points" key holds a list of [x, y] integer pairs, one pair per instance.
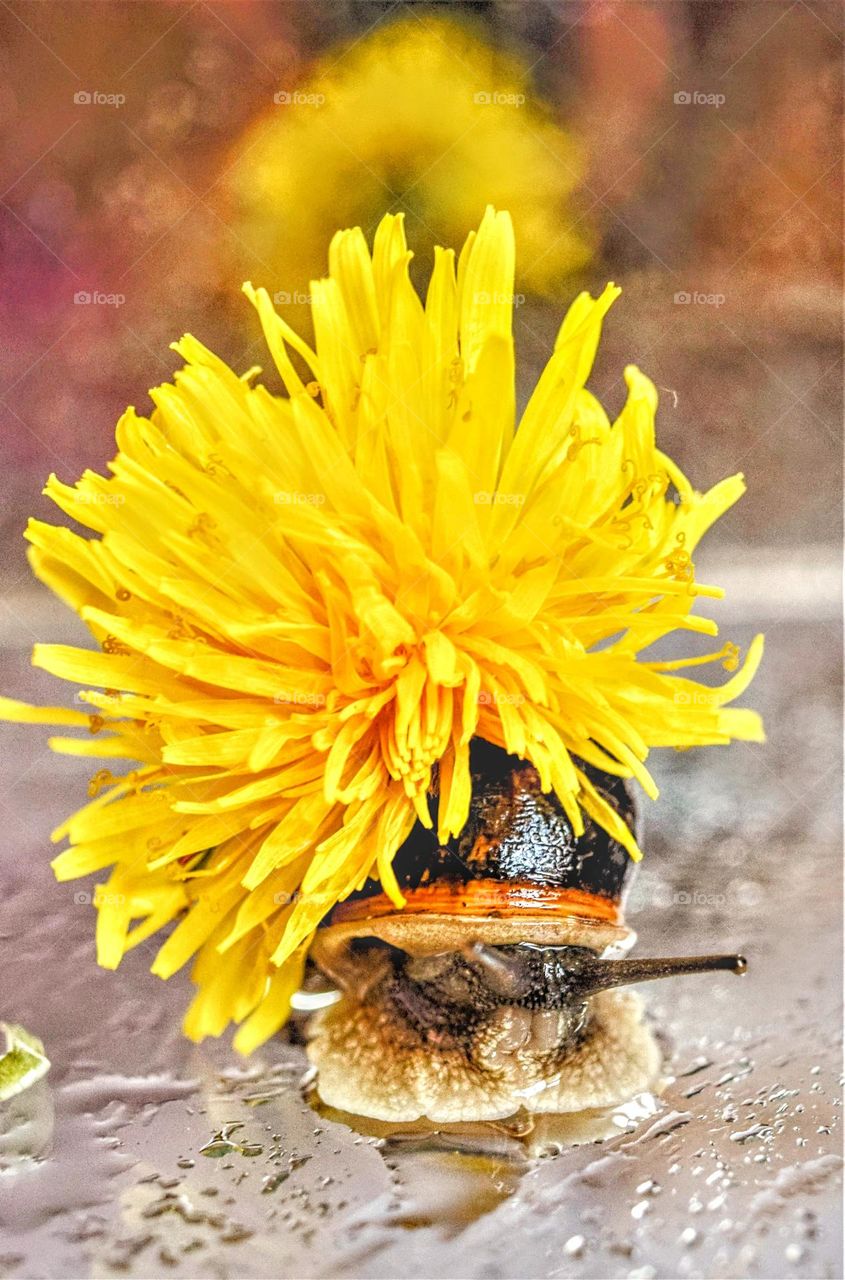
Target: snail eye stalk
{"points": [[551, 976], [591, 974]]}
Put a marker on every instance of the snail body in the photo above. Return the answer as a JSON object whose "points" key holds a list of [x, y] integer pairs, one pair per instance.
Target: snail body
{"points": [[499, 984]]}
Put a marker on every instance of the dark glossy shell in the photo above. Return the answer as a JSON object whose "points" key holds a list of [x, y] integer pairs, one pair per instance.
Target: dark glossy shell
{"points": [[517, 852]]}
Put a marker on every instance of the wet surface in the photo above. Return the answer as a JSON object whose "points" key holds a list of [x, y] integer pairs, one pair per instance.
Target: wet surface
{"points": [[157, 1157]]}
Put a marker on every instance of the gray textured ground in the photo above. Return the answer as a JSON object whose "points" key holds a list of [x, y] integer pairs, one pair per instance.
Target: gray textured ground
{"points": [[732, 1172]]}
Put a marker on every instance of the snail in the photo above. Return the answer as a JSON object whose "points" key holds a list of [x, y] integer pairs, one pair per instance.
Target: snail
{"points": [[501, 983]]}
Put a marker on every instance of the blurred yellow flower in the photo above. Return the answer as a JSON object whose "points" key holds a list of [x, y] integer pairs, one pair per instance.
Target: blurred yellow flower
{"points": [[420, 116], [303, 605]]}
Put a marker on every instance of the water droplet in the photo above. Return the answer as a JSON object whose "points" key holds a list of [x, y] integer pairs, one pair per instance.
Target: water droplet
{"points": [[274, 1180], [756, 1131], [698, 1064]]}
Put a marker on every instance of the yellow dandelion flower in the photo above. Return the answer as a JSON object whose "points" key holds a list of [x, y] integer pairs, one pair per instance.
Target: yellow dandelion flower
{"points": [[418, 116], [302, 605]]}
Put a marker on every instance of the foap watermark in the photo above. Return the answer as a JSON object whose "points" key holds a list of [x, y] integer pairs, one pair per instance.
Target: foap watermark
{"points": [[697, 500], [484, 299], [324, 900], [298, 698], [96, 98], [297, 298], [486, 498], [498, 98], [697, 98], [298, 98], [100, 499], [100, 898], [96, 298], [294, 498], [104, 700], [696, 698], [698, 898], [687, 298], [499, 698]]}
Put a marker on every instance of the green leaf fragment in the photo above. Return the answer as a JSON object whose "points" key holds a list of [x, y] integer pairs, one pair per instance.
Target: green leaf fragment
{"points": [[23, 1063]]}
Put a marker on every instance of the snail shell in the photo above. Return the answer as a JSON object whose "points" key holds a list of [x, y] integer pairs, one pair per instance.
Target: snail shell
{"points": [[516, 873]]}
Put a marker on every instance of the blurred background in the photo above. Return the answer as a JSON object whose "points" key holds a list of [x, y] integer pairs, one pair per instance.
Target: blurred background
{"points": [[154, 156]]}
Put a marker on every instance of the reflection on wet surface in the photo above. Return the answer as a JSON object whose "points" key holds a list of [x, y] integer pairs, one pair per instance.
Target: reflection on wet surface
{"points": [[243, 1175], [151, 1156]]}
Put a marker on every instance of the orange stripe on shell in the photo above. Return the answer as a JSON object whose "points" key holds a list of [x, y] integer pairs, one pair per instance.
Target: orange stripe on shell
{"points": [[488, 898]]}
